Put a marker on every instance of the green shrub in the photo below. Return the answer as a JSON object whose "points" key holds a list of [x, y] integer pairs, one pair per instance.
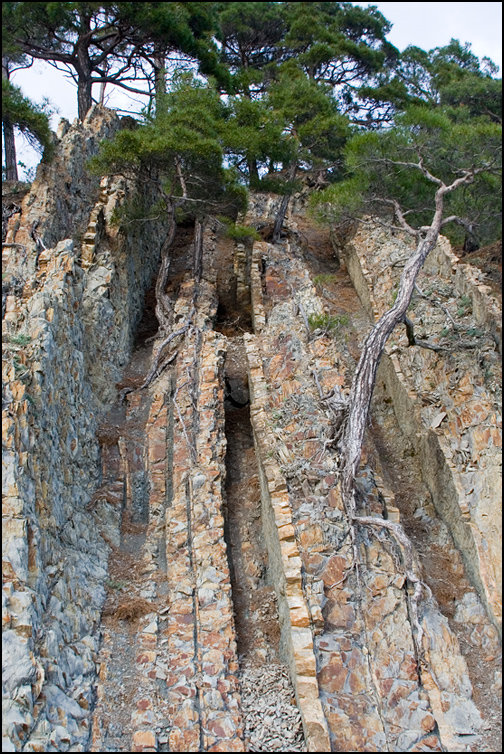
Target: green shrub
{"points": [[465, 306], [327, 322], [320, 280], [239, 232], [19, 340]]}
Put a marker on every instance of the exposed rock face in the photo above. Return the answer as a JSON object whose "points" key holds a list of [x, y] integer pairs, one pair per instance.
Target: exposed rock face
{"points": [[67, 334], [178, 571], [447, 402]]}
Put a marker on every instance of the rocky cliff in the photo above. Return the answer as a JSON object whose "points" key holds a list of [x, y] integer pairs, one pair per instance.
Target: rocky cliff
{"points": [[178, 574]]}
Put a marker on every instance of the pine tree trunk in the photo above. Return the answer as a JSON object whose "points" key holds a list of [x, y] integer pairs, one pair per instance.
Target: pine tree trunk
{"points": [[253, 173], [11, 172], [84, 98], [365, 375], [158, 63], [198, 249], [282, 210], [84, 71]]}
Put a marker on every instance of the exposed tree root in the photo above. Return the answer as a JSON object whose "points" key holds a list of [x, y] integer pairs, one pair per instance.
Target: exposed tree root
{"points": [[408, 557]]}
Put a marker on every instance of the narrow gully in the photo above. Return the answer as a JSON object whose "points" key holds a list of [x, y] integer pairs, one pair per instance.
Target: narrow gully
{"points": [[272, 721], [131, 595]]}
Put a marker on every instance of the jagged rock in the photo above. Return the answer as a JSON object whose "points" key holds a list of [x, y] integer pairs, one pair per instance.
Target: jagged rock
{"points": [[140, 612]]}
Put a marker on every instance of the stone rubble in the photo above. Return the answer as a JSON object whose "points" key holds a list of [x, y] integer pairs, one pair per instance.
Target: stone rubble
{"points": [[273, 722]]}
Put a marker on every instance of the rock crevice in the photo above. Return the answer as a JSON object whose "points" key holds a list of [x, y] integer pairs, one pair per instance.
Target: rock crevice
{"points": [[178, 571]]}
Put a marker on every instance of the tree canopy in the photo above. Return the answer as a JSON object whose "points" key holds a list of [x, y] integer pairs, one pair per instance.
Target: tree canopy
{"points": [[100, 43], [278, 98], [390, 174], [181, 145]]}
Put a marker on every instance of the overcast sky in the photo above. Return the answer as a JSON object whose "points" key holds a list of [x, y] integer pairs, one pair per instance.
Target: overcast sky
{"points": [[425, 25]]}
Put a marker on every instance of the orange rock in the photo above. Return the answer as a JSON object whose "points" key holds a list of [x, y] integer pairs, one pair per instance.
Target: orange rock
{"points": [[145, 657], [341, 616], [480, 439], [334, 570], [334, 498], [333, 676], [299, 617], [496, 437], [313, 535], [185, 740], [312, 562], [143, 739]]}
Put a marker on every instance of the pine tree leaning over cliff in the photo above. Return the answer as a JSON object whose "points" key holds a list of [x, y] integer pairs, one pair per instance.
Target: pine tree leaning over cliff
{"points": [[410, 178]]}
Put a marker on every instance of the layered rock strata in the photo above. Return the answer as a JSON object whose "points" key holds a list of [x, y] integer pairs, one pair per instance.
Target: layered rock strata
{"points": [[447, 401], [375, 694], [182, 692], [61, 323], [121, 629]]}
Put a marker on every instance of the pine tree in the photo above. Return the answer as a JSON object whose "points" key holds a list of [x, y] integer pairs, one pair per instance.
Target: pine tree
{"points": [[314, 132], [410, 178], [100, 43], [181, 146], [32, 120]]}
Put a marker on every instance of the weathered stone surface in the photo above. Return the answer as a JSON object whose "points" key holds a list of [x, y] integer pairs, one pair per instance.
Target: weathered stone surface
{"points": [[458, 430], [62, 327], [132, 509]]}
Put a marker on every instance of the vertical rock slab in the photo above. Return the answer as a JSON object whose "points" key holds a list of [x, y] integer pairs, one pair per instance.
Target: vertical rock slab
{"points": [[368, 680], [55, 554], [285, 564], [447, 403]]}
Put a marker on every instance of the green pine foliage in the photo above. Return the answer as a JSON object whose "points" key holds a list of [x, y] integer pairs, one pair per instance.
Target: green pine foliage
{"points": [[286, 95], [181, 146], [380, 170], [30, 119]]}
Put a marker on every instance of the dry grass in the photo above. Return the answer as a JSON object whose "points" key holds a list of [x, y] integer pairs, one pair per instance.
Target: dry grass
{"points": [[133, 609]]}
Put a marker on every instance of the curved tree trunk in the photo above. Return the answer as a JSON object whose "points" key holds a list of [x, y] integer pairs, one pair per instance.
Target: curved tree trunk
{"points": [[365, 374]]}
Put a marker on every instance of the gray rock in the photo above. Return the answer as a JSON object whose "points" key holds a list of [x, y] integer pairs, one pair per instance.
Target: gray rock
{"points": [[18, 668]]}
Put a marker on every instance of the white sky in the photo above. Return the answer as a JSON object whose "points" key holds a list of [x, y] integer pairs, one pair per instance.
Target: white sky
{"points": [[429, 25], [424, 25]]}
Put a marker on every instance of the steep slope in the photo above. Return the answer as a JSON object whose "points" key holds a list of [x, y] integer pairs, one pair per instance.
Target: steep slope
{"points": [[178, 574]]}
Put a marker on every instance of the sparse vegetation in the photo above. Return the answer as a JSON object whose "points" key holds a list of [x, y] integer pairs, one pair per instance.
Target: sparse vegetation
{"points": [[239, 232], [327, 323], [118, 585], [464, 306], [18, 340], [325, 279]]}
